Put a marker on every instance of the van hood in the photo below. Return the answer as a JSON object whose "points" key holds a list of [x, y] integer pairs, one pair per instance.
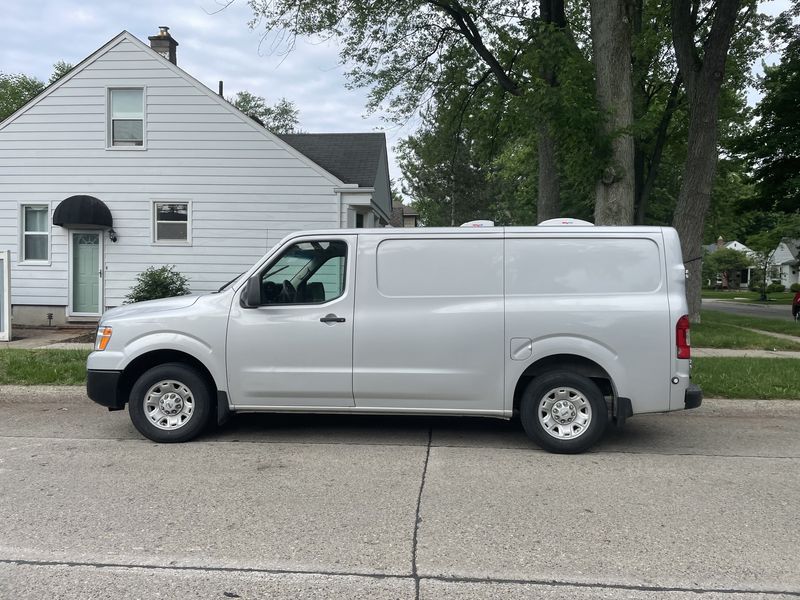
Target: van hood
{"points": [[150, 307]]}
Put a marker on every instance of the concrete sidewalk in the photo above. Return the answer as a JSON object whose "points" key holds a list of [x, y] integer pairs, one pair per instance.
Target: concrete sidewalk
{"points": [[730, 352], [69, 338]]}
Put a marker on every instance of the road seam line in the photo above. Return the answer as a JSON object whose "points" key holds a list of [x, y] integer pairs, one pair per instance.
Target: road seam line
{"points": [[417, 577], [414, 571]]}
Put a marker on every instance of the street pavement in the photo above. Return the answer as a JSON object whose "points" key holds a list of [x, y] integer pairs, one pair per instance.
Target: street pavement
{"points": [[697, 504]]}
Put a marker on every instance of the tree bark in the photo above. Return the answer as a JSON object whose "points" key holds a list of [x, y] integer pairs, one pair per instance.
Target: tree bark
{"points": [[703, 77], [611, 49]]}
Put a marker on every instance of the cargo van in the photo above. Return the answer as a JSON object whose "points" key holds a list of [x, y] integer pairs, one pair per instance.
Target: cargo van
{"points": [[568, 326]]}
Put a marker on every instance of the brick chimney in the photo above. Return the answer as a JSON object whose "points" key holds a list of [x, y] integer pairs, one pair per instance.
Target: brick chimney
{"points": [[164, 44], [720, 242]]}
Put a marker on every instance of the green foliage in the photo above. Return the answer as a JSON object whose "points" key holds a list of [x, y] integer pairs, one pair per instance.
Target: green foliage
{"points": [[60, 69], [773, 288], [279, 118], [725, 262], [16, 91], [795, 287], [158, 282], [42, 367], [759, 378]]}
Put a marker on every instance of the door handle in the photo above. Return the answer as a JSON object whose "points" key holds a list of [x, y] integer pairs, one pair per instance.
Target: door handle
{"points": [[332, 318]]}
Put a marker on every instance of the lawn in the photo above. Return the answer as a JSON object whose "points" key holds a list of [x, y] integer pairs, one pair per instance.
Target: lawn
{"points": [[42, 367], [764, 323], [760, 378], [713, 334], [746, 296]]}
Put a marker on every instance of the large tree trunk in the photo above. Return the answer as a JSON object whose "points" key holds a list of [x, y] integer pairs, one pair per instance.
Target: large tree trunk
{"points": [[549, 203], [611, 49], [703, 78]]}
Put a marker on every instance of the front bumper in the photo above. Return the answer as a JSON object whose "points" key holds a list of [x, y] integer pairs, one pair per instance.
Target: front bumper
{"points": [[103, 388], [693, 396]]}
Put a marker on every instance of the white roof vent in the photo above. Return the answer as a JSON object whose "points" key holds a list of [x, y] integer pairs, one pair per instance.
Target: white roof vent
{"points": [[478, 223], [565, 221]]}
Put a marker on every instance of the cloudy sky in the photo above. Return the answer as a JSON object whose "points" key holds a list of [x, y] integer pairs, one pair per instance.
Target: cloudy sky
{"points": [[215, 43]]}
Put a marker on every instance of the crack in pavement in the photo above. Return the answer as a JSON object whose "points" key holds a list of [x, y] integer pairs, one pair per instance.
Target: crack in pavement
{"points": [[413, 576], [414, 572]]}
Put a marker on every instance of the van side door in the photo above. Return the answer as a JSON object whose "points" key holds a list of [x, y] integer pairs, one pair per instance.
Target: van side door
{"points": [[430, 328], [295, 347]]}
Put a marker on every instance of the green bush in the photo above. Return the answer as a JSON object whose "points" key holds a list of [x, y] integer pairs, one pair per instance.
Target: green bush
{"points": [[157, 282], [773, 288], [795, 287]]}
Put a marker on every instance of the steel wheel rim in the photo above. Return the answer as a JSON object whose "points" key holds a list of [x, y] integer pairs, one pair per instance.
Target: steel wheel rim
{"points": [[564, 413], [169, 405]]}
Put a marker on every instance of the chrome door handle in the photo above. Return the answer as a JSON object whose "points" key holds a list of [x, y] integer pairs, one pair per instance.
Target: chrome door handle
{"points": [[331, 318]]}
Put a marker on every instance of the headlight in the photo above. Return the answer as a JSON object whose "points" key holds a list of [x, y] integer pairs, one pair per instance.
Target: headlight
{"points": [[103, 337]]}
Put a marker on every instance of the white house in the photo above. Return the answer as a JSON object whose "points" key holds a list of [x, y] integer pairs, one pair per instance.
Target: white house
{"points": [[740, 279], [786, 261], [128, 162]]}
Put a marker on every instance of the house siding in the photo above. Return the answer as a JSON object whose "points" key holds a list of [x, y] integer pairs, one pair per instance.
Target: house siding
{"points": [[246, 189]]}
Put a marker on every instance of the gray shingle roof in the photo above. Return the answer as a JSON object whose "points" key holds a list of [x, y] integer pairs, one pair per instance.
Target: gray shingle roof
{"points": [[352, 157]]}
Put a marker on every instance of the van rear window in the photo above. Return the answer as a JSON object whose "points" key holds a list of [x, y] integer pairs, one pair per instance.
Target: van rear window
{"points": [[453, 267], [587, 266]]}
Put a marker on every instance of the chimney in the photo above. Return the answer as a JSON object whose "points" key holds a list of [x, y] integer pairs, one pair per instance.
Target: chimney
{"points": [[164, 44], [720, 242]]}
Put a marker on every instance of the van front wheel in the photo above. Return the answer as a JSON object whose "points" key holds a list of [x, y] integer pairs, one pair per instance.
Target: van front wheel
{"points": [[170, 403], [563, 412]]}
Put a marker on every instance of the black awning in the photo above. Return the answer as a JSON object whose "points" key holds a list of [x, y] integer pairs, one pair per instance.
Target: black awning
{"points": [[84, 211]]}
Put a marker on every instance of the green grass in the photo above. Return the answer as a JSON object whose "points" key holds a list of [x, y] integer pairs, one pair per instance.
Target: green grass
{"points": [[746, 296], [760, 378], [765, 324], [711, 334], [42, 367]]}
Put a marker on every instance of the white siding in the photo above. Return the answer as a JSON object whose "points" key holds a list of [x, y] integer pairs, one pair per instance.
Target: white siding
{"points": [[246, 189]]}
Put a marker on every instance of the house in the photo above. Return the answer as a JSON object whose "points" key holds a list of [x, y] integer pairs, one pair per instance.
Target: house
{"points": [[128, 161], [786, 262], [737, 280], [403, 215]]}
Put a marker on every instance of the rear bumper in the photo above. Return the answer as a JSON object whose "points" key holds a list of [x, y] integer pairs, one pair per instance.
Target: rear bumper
{"points": [[102, 387], [693, 396]]}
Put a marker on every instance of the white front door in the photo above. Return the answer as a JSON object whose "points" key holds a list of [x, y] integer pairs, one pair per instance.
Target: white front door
{"points": [[86, 284]]}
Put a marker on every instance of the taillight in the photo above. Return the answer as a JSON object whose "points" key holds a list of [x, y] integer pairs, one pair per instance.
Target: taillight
{"points": [[682, 339]]}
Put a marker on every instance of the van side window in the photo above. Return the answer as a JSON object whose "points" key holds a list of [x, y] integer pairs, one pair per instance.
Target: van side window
{"points": [[306, 273]]}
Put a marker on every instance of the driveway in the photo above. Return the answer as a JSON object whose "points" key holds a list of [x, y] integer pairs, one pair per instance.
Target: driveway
{"points": [[293, 506]]}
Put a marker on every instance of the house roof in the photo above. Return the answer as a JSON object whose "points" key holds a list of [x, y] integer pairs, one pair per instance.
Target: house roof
{"points": [[352, 157], [793, 245]]}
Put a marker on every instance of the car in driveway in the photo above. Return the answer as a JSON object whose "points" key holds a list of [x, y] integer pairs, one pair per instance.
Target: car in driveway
{"points": [[568, 325]]}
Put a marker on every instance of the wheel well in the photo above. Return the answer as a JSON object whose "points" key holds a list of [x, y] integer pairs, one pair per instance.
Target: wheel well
{"points": [[159, 357], [566, 362]]}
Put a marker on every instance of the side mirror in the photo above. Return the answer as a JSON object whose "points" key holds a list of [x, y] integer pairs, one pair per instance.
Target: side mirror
{"points": [[251, 295]]}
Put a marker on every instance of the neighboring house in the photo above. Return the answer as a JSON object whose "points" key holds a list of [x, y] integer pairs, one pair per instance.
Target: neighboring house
{"points": [[786, 260], [128, 161], [740, 279], [403, 216]]}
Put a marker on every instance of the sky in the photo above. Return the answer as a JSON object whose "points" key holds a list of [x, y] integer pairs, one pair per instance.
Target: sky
{"points": [[215, 43]]}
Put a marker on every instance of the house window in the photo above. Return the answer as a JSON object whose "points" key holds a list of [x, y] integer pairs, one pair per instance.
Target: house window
{"points": [[35, 233], [127, 117], [171, 222]]}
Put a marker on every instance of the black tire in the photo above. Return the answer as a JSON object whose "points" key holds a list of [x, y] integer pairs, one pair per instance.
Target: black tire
{"points": [[584, 402], [190, 391]]}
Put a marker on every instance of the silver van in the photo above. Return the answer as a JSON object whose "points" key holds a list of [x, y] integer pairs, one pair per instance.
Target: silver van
{"points": [[567, 326]]}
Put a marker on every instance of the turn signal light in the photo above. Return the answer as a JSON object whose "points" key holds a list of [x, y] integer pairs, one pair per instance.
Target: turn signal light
{"points": [[103, 337]]}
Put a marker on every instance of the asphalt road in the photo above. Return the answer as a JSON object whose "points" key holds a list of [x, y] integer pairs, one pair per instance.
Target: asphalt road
{"points": [[672, 506], [778, 311]]}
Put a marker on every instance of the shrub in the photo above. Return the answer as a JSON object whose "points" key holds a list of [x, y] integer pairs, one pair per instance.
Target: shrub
{"points": [[772, 288], [157, 282], [795, 287]]}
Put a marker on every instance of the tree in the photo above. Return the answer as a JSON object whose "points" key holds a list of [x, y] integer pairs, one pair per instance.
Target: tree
{"points": [[16, 90], [766, 242], [701, 56], [772, 145], [280, 118], [611, 49]]}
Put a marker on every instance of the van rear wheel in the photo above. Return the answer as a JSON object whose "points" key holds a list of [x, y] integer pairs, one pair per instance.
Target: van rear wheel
{"points": [[170, 403], [563, 412]]}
